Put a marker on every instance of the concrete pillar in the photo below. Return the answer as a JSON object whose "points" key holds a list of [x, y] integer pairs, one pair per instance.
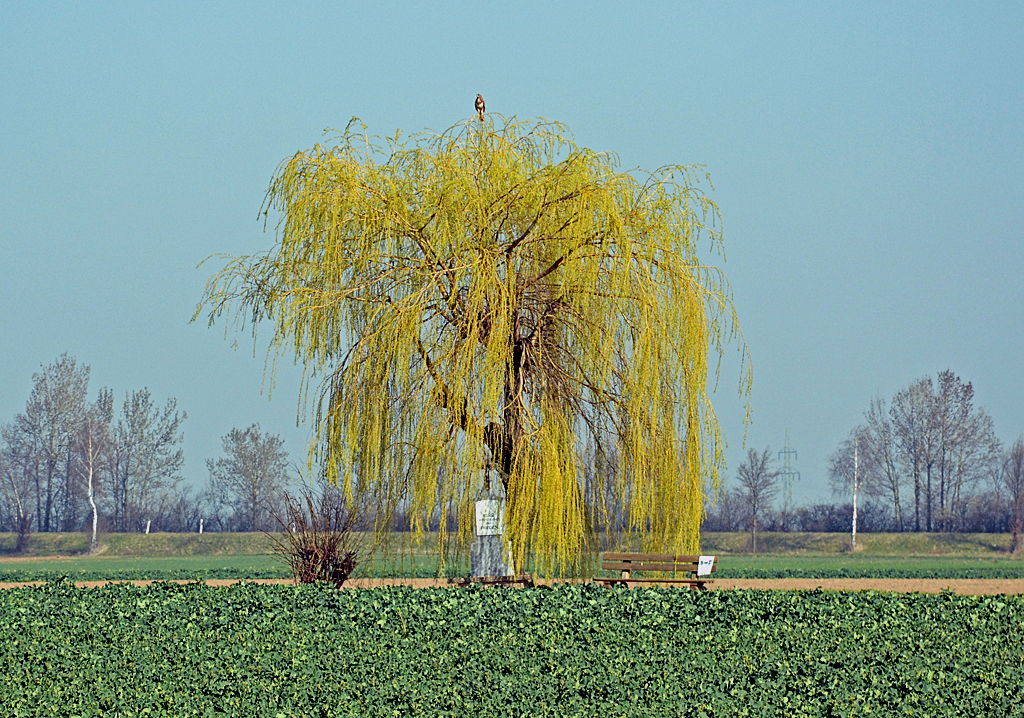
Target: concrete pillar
{"points": [[487, 552]]}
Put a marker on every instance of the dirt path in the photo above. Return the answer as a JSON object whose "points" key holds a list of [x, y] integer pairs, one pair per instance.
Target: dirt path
{"points": [[971, 587], [964, 586]]}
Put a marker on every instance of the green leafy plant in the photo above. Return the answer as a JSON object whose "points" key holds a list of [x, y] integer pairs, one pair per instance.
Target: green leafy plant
{"points": [[572, 650]]}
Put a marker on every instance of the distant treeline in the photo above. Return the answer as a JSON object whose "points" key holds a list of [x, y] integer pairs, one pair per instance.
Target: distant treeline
{"points": [[930, 461], [988, 513], [71, 463]]}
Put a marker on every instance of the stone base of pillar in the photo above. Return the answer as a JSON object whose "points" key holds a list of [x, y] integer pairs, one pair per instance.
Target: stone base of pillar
{"points": [[486, 557]]}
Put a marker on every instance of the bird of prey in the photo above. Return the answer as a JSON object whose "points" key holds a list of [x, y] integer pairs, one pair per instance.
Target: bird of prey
{"points": [[479, 105]]}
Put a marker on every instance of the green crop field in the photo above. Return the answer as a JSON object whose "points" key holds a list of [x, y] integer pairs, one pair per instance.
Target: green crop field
{"points": [[132, 544], [232, 556], [790, 544], [858, 566], [169, 568], [125, 568], [881, 544], [249, 650]]}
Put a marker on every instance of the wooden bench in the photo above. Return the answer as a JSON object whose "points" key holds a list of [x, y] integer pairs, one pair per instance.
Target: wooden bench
{"points": [[627, 563]]}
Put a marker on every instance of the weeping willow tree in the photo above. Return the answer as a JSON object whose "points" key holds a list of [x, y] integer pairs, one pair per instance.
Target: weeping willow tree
{"points": [[497, 296]]}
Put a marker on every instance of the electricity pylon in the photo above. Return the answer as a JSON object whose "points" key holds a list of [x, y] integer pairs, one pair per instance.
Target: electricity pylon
{"points": [[787, 474]]}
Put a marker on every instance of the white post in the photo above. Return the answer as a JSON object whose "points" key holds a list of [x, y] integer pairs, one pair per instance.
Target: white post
{"points": [[200, 527], [148, 522], [856, 485]]}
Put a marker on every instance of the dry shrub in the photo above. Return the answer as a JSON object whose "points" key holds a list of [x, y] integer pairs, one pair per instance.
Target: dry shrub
{"points": [[321, 539]]}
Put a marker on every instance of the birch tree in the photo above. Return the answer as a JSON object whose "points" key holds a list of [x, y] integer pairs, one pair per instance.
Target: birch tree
{"points": [[496, 294], [93, 446], [847, 475]]}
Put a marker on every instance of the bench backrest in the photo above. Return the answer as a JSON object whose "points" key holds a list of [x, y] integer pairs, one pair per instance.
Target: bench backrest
{"points": [[628, 562]]}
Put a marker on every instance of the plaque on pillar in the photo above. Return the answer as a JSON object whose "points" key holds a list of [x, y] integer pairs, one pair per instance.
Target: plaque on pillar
{"points": [[490, 517]]}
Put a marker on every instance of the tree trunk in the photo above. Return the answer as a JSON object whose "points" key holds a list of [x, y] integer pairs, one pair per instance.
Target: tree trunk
{"points": [[512, 434], [24, 523], [92, 499], [24, 534], [897, 511], [51, 469], [942, 524], [70, 515], [39, 495], [928, 499], [1017, 523], [917, 498], [856, 482]]}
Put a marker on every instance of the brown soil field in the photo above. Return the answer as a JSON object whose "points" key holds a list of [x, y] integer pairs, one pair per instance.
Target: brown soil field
{"points": [[970, 587]]}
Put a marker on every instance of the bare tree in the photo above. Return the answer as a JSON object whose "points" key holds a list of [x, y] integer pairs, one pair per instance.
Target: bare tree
{"points": [[758, 487], [958, 436], [177, 510], [145, 458], [1011, 479], [911, 414], [252, 477], [45, 437], [971, 454], [726, 513], [946, 444], [881, 451], [17, 464]]}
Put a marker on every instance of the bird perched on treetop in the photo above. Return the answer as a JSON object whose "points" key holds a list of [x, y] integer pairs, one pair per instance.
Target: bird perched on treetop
{"points": [[480, 106]]}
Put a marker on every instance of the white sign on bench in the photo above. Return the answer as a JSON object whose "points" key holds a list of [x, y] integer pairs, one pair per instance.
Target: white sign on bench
{"points": [[704, 565]]}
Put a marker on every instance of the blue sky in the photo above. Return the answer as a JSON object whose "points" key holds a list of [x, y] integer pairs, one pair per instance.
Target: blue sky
{"points": [[867, 160]]}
